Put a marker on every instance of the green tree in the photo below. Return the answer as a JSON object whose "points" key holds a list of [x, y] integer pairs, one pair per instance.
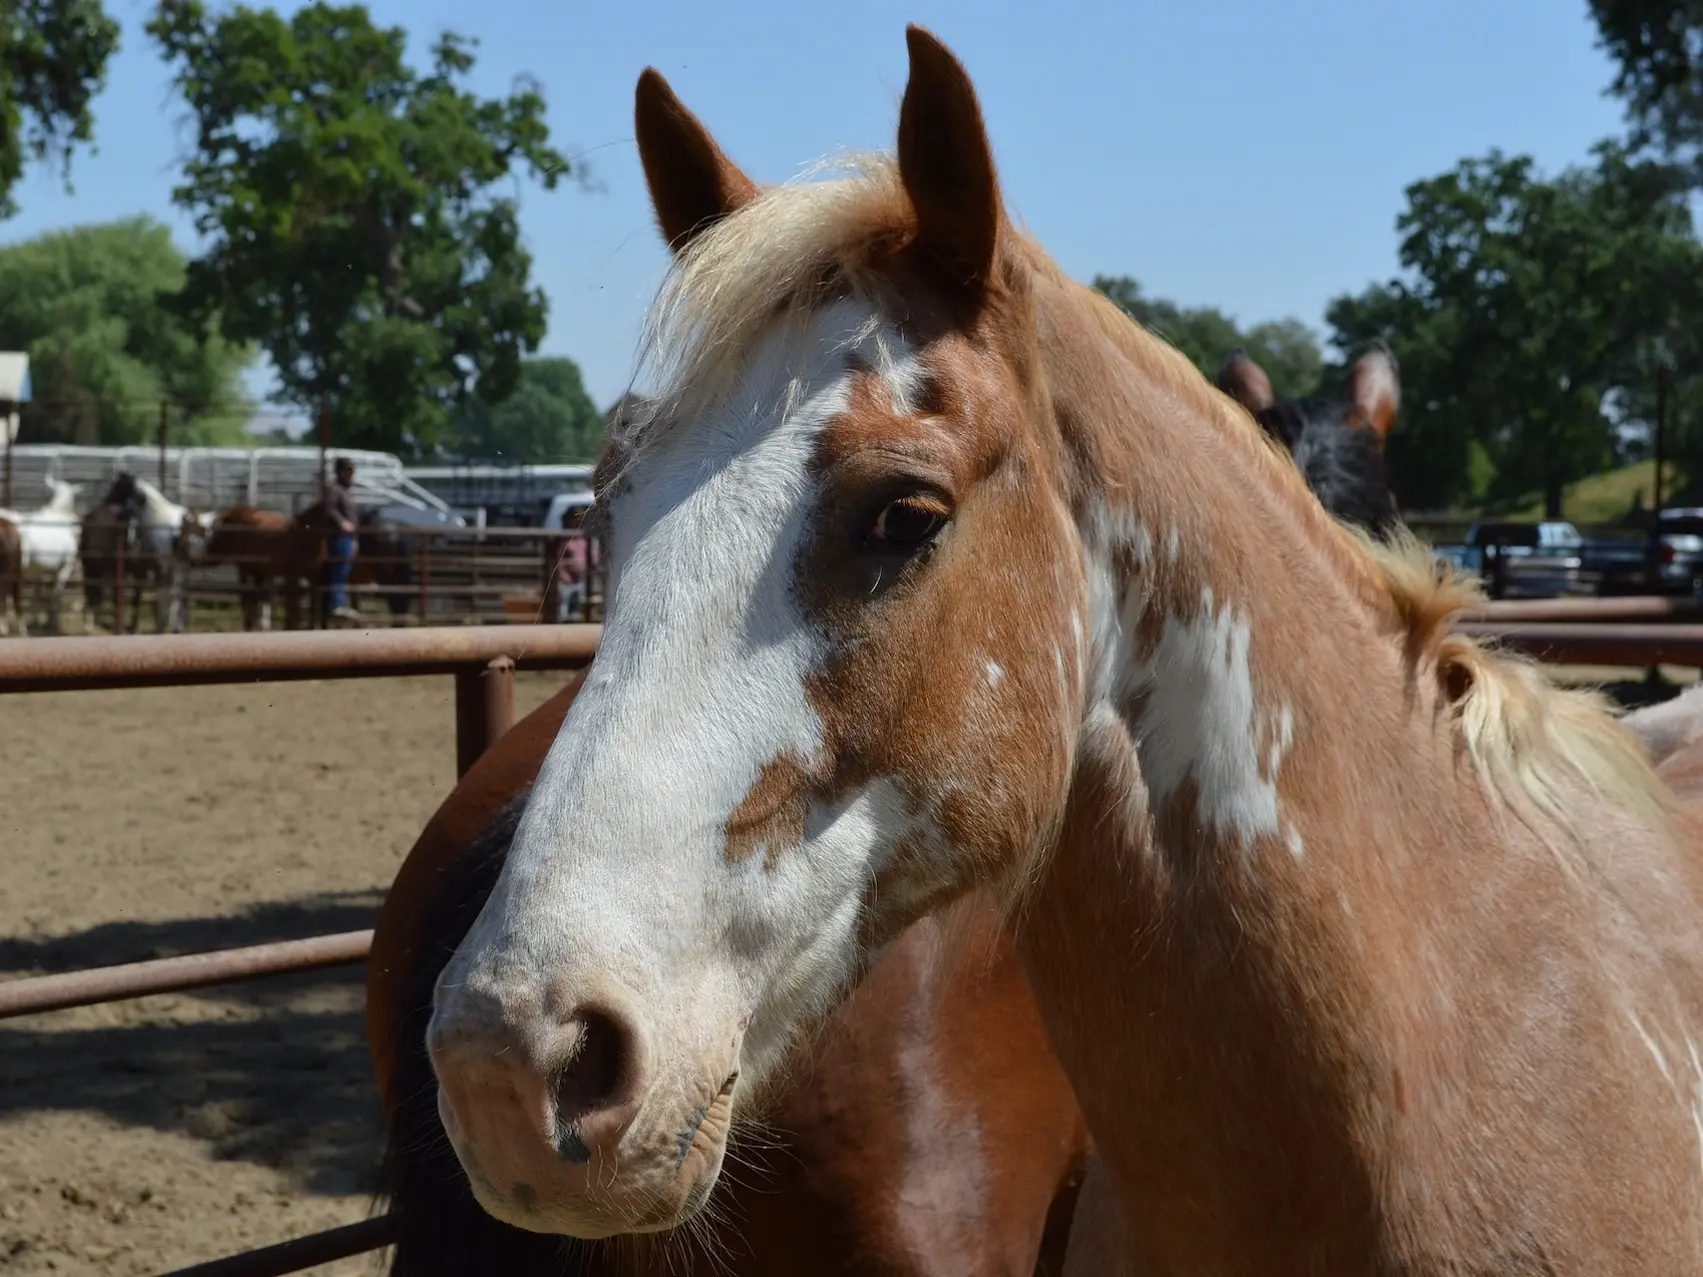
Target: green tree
{"points": [[53, 57], [1657, 46], [1286, 348], [352, 210], [1531, 305], [89, 306], [548, 418]]}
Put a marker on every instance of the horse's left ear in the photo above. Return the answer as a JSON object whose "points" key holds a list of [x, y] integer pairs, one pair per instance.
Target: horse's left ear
{"points": [[946, 164], [1245, 381], [692, 184], [1375, 386]]}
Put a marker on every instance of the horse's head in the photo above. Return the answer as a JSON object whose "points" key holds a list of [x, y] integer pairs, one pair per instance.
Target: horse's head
{"points": [[194, 533], [1337, 439], [840, 679], [62, 496]]}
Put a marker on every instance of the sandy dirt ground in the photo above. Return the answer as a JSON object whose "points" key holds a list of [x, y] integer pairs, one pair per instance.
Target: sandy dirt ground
{"points": [[142, 1136]]}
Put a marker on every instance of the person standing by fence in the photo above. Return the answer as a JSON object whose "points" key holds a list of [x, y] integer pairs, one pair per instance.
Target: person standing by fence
{"points": [[341, 530]]}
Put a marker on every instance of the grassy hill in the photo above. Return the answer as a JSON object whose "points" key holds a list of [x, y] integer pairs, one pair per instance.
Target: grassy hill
{"points": [[1606, 497]]}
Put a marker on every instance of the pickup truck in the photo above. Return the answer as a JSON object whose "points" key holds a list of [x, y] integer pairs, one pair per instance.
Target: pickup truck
{"points": [[1534, 560], [1542, 560]]}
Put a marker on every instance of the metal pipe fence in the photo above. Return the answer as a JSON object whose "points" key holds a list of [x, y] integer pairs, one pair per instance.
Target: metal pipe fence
{"points": [[483, 662]]}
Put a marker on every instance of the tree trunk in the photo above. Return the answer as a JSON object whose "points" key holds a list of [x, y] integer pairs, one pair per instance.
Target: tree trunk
{"points": [[1552, 497]]}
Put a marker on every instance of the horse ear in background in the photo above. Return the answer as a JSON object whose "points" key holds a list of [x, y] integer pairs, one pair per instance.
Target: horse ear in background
{"points": [[1245, 382], [692, 184], [946, 165], [1374, 384]]}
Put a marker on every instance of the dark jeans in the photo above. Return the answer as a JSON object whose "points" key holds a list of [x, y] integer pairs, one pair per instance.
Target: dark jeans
{"points": [[342, 563]]}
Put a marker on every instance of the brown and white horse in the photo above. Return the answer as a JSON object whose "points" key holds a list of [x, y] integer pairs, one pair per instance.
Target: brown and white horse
{"points": [[1365, 950]]}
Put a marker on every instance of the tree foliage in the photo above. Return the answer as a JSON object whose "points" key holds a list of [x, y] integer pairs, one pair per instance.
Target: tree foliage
{"points": [[1528, 320], [53, 57], [352, 205], [1657, 46], [87, 305], [549, 418], [1286, 348]]}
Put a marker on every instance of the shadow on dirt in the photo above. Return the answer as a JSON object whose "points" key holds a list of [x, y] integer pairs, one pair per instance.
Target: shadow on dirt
{"points": [[271, 1071]]}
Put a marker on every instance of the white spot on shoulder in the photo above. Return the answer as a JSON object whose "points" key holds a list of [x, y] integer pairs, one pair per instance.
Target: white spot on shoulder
{"points": [[995, 673], [1202, 721], [1173, 546], [1293, 839]]}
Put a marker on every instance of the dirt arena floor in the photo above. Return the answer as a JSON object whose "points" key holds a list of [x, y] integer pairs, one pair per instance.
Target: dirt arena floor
{"points": [[143, 1136]]}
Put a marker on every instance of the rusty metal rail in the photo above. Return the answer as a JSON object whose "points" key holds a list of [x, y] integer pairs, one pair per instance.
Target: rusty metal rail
{"points": [[184, 660], [483, 660], [1583, 643], [1632, 607], [33, 995]]}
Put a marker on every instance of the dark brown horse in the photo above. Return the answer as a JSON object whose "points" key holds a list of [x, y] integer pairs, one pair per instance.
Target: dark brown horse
{"points": [[12, 579], [1336, 438], [266, 548], [930, 1130], [106, 547]]}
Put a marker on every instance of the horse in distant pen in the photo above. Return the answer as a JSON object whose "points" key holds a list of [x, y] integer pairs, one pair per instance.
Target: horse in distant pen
{"points": [[12, 579], [267, 547], [48, 544], [106, 550], [138, 533]]}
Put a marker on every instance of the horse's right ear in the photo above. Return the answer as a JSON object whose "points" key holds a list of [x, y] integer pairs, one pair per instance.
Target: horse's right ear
{"points": [[1374, 383], [692, 184], [1245, 381]]}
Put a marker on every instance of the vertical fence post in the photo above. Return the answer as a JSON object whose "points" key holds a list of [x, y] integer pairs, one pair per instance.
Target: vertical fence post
{"points": [[484, 709], [118, 584], [164, 429], [6, 411]]}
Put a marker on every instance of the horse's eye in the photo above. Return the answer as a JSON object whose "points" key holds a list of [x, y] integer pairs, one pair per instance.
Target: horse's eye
{"points": [[906, 526]]}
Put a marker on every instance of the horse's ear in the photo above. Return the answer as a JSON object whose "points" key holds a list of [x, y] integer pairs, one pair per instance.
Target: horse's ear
{"points": [[946, 164], [692, 184], [1374, 384], [1245, 381]]}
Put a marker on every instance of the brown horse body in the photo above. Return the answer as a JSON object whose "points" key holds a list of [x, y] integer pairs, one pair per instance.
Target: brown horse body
{"points": [[266, 547], [928, 1131], [12, 579]]}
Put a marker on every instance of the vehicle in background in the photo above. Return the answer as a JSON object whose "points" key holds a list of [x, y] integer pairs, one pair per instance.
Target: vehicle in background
{"points": [[1679, 551], [1523, 560], [1551, 558]]}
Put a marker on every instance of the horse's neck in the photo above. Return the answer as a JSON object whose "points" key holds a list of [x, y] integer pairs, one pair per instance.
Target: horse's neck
{"points": [[160, 509], [1249, 737], [63, 500]]}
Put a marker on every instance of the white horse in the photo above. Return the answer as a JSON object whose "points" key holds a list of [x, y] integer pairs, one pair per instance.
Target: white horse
{"points": [[49, 541], [172, 537]]}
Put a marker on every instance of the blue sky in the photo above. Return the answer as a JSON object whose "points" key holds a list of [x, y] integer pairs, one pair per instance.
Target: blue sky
{"points": [[1239, 153]]}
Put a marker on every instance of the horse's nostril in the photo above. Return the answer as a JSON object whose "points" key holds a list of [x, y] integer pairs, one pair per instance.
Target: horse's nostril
{"points": [[589, 1080]]}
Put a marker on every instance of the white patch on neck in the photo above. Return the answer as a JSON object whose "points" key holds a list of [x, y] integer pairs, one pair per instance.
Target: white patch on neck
{"points": [[1202, 721]]}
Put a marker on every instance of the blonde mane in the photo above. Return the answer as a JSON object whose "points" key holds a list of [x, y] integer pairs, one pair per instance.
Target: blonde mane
{"points": [[777, 258]]}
